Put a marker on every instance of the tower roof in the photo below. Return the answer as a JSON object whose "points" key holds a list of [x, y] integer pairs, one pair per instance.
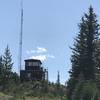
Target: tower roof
{"points": [[33, 60]]}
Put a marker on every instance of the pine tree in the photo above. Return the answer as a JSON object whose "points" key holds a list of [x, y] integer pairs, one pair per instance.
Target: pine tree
{"points": [[77, 59], [92, 35], [83, 62], [7, 62]]}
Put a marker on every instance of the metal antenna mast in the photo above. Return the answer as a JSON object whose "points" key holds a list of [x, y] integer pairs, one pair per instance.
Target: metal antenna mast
{"points": [[21, 36]]}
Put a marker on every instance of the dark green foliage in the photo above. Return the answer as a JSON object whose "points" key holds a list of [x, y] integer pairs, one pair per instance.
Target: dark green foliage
{"points": [[86, 90], [7, 67], [1, 71], [1, 66], [8, 79], [7, 60], [83, 59], [77, 91], [70, 88]]}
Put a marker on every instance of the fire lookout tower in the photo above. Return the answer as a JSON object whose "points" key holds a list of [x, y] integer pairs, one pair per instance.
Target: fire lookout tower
{"points": [[33, 71]]}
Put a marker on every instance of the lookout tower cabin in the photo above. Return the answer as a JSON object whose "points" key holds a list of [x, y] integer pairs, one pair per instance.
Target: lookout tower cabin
{"points": [[33, 70]]}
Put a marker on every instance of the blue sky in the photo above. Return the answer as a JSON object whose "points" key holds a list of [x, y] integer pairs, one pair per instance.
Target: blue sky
{"points": [[49, 29]]}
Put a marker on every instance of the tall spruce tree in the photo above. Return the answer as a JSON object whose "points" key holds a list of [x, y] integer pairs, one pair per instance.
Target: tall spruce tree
{"points": [[83, 63], [7, 61]]}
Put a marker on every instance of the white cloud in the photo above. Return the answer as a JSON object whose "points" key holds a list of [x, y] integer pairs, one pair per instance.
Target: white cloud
{"points": [[39, 57], [37, 50], [41, 50], [43, 57], [40, 53], [30, 52], [50, 56]]}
